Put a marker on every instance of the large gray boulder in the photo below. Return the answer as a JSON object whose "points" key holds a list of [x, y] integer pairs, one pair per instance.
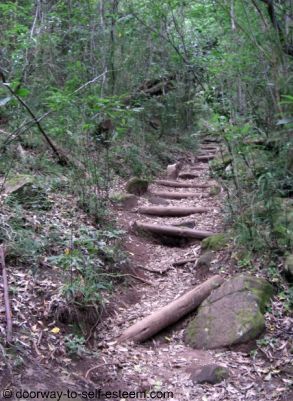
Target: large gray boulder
{"points": [[231, 315]]}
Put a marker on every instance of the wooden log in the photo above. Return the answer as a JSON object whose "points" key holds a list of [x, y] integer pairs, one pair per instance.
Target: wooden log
{"points": [[209, 155], [172, 231], [197, 168], [208, 148], [6, 296], [188, 175], [182, 262], [211, 140], [175, 195], [171, 313], [177, 184], [164, 211], [205, 158]]}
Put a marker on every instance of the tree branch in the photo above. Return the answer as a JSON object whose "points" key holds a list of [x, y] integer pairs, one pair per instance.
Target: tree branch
{"points": [[287, 48]]}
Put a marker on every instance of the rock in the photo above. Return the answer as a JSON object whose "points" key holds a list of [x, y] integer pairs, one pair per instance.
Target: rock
{"points": [[205, 260], [219, 164], [288, 270], [186, 223], [137, 186], [214, 242], [23, 189], [173, 170], [17, 182], [211, 374], [125, 201], [232, 314], [215, 190]]}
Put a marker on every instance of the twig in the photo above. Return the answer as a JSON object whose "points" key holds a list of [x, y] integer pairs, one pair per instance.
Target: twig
{"points": [[6, 296], [93, 368], [182, 262], [90, 82]]}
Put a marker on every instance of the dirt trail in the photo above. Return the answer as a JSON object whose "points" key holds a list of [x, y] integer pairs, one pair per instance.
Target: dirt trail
{"points": [[163, 363]]}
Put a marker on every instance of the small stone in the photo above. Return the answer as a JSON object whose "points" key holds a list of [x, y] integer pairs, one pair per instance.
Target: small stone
{"points": [[173, 170], [125, 201], [211, 374], [215, 190], [137, 186], [288, 270], [205, 260]]}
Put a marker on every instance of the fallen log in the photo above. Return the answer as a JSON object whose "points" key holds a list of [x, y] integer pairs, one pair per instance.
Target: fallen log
{"points": [[188, 175], [177, 184], [171, 313], [175, 195], [170, 211], [182, 262], [6, 296], [172, 231]]}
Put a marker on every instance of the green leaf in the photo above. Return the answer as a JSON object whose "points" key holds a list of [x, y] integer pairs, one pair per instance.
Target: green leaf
{"points": [[23, 92]]}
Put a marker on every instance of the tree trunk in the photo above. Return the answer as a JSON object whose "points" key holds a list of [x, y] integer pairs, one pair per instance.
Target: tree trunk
{"points": [[171, 313]]}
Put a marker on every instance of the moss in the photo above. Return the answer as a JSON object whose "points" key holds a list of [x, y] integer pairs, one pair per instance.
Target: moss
{"points": [[215, 190], [214, 242], [261, 289], [220, 163], [137, 186], [255, 319], [120, 197], [28, 194], [205, 260], [221, 373], [18, 181]]}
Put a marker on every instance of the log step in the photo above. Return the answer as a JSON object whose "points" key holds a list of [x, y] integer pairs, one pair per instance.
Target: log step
{"points": [[171, 211], [185, 175], [207, 148], [211, 140], [205, 158], [197, 168], [177, 184], [170, 313], [168, 230], [175, 195]]}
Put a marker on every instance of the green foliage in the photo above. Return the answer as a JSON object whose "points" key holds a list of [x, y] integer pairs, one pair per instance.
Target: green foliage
{"points": [[74, 344], [90, 265]]}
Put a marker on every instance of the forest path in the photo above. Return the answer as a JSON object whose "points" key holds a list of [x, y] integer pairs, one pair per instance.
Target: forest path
{"points": [[164, 362]]}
